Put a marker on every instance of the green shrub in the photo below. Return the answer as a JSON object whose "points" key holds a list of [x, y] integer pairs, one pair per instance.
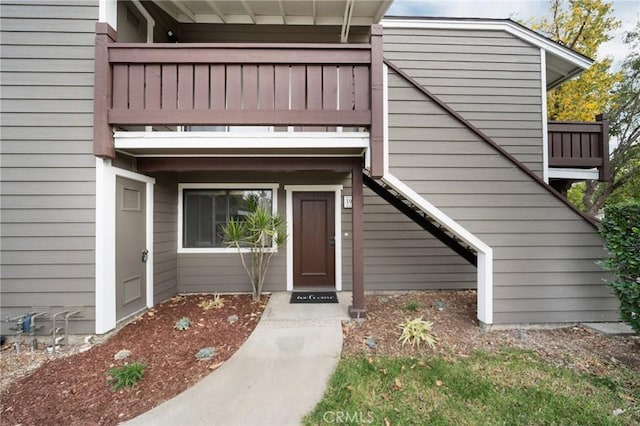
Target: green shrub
{"points": [[621, 230], [415, 331], [127, 376], [411, 306]]}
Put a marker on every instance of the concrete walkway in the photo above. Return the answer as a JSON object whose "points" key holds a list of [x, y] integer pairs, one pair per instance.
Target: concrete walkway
{"points": [[278, 375]]}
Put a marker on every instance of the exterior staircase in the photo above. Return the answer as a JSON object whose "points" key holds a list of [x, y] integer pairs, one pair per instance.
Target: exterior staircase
{"points": [[422, 218]]}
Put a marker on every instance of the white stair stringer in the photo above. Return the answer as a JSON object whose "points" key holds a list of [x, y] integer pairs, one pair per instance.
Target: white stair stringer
{"points": [[484, 252]]}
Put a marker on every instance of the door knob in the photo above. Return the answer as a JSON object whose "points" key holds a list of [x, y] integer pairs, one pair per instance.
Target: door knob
{"points": [[145, 255], [332, 241]]}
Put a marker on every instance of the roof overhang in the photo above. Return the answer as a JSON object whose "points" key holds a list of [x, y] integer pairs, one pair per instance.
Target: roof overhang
{"points": [[343, 13], [562, 63]]}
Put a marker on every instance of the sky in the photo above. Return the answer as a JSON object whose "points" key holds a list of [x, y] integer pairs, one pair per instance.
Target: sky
{"points": [[627, 11]]}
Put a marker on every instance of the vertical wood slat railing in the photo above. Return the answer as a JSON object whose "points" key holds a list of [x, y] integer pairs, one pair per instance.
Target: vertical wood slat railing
{"points": [[238, 94], [236, 84], [580, 145]]}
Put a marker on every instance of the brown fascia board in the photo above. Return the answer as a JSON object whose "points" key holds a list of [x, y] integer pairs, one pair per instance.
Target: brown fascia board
{"points": [[490, 141]]}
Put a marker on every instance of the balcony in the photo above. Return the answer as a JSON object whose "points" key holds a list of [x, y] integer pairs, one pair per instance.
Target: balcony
{"points": [[580, 145], [208, 84]]}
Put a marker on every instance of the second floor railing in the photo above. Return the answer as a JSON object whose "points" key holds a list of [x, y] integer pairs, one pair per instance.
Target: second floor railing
{"points": [[580, 145], [235, 84]]}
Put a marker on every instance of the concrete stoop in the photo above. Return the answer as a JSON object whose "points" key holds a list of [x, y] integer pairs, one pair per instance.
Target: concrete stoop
{"points": [[610, 328]]}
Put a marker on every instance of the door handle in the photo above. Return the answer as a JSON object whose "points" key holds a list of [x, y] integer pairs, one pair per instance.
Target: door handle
{"points": [[332, 241], [145, 255]]}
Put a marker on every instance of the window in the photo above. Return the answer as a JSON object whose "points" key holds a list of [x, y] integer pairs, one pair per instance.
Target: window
{"points": [[205, 209]]}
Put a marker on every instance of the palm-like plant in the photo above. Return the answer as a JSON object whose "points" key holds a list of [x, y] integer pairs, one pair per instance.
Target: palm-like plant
{"points": [[257, 235]]}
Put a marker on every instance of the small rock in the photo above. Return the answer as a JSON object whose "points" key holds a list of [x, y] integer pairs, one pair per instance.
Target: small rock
{"points": [[439, 305], [370, 343], [617, 412], [232, 318], [122, 355]]}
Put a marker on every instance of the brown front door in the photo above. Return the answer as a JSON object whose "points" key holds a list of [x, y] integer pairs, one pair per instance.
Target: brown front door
{"points": [[314, 239], [131, 280]]}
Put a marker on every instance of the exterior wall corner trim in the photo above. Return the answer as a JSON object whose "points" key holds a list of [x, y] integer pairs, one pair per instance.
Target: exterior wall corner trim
{"points": [[105, 250]]}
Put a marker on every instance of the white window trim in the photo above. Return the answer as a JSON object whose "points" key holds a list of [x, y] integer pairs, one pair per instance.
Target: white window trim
{"points": [[246, 186], [105, 260], [337, 189]]}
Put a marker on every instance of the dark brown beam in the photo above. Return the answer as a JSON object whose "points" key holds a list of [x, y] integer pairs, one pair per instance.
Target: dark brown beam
{"points": [[575, 162], [270, 164], [239, 117], [357, 309], [575, 127], [194, 53], [103, 145], [605, 170]]}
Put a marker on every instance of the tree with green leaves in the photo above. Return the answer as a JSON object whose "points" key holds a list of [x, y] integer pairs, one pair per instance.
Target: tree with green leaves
{"points": [[624, 184], [581, 25]]}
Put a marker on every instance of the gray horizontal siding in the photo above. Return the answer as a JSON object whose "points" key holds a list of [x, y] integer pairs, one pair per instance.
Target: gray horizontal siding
{"points": [[220, 272], [489, 77], [545, 254], [165, 234], [48, 169], [224, 272], [399, 254]]}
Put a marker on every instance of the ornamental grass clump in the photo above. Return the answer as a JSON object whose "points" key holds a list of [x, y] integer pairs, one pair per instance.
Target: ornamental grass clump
{"points": [[416, 331], [215, 303], [126, 376]]}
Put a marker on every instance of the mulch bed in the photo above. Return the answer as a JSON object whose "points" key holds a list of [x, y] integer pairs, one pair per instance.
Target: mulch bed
{"points": [[456, 330], [75, 389]]}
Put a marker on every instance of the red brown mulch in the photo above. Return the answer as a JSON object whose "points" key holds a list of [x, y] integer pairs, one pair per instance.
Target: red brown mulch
{"points": [[75, 389]]}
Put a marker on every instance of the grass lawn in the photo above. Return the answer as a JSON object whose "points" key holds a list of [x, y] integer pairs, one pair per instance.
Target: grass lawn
{"points": [[511, 387]]}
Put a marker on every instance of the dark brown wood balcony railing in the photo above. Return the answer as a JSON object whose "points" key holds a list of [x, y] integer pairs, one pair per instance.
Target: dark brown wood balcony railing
{"points": [[580, 145], [236, 84]]}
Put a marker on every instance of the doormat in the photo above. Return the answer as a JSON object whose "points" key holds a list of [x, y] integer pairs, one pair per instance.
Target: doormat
{"points": [[314, 297]]}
